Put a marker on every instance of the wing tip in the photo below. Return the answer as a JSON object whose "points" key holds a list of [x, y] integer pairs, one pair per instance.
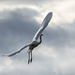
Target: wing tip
{"points": [[50, 12], [5, 55]]}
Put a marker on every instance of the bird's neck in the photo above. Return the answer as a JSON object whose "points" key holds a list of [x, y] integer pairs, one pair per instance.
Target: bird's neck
{"points": [[40, 39]]}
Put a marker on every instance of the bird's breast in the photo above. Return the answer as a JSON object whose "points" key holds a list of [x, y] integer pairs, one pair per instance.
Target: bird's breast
{"points": [[31, 47]]}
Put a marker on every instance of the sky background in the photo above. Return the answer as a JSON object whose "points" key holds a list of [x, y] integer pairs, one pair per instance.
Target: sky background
{"points": [[19, 21]]}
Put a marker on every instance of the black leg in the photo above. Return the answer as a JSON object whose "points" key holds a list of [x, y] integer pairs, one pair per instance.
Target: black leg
{"points": [[31, 56], [28, 57]]}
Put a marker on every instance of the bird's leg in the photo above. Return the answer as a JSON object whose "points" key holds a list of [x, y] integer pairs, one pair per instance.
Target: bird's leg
{"points": [[31, 56], [28, 57]]}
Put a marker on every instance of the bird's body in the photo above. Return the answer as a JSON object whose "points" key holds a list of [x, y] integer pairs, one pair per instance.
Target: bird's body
{"points": [[34, 42], [31, 47]]}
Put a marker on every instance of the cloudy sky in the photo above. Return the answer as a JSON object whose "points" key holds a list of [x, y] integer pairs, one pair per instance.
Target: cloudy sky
{"points": [[19, 21]]}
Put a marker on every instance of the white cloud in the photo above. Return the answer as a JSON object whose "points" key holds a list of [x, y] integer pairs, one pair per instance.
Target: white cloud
{"points": [[63, 11]]}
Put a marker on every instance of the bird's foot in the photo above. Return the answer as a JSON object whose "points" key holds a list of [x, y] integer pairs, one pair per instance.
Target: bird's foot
{"points": [[29, 61]]}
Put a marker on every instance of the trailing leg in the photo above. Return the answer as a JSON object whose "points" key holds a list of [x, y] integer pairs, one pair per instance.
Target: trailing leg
{"points": [[31, 56], [28, 57]]}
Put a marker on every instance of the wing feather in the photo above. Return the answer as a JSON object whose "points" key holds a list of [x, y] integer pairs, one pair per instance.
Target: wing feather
{"points": [[14, 53], [43, 26]]}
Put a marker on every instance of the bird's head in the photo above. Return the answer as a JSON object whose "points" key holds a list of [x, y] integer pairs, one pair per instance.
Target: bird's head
{"points": [[41, 35]]}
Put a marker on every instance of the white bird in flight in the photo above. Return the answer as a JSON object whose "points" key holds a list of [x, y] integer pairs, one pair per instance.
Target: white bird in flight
{"points": [[34, 42]]}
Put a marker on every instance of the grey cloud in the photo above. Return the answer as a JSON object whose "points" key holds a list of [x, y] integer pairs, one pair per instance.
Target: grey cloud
{"points": [[59, 37], [20, 26], [17, 28]]}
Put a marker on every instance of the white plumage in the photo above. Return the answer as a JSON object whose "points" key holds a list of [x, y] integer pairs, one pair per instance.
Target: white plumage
{"points": [[43, 26]]}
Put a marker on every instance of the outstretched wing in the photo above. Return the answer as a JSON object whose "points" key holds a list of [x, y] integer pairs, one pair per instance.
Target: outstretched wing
{"points": [[12, 54], [44, 25]]}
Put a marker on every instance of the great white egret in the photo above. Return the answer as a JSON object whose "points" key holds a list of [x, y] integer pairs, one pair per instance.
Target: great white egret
{"points": [[34, 42]]}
